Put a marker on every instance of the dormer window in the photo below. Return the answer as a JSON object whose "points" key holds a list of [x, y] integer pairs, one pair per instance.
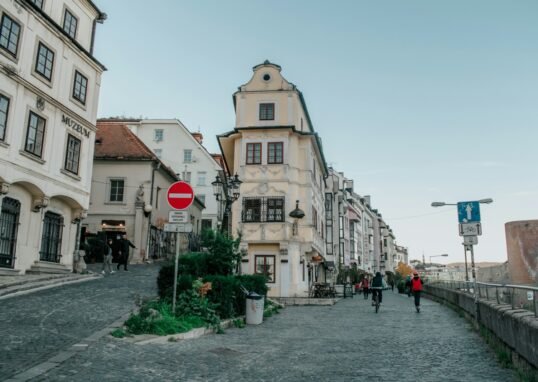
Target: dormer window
{"points": [[267, 111]]}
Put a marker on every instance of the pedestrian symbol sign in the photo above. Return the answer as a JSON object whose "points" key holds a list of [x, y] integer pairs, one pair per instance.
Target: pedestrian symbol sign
{"points": [[468, 212]]}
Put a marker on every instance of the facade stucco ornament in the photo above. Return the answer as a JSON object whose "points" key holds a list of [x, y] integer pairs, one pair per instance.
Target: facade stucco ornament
{"points": [[79, 215], [4, 188], [40, 103], [262, 233], [263, 188], [39, 203]]}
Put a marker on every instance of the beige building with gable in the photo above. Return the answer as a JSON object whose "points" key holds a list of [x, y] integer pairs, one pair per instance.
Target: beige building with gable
{"points": [[279, 157]]}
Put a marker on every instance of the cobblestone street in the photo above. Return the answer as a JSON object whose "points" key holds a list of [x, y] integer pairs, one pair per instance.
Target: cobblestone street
{"points": [[344, 342]]}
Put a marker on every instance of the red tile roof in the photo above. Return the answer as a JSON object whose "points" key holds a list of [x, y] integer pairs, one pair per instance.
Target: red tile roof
{"points": [[114, 140]]}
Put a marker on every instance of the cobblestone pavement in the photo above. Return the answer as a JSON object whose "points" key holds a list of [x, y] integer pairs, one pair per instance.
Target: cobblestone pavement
{"points": [[344, 342], [35, 327]]}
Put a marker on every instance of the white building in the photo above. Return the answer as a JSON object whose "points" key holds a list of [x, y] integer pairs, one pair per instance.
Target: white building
{"points": [[279, 158], [127, 179], [49, 88], [183, 151]]}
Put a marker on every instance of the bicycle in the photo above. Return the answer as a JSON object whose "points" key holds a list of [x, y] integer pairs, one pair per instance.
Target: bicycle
{"points": [[375, 297]]}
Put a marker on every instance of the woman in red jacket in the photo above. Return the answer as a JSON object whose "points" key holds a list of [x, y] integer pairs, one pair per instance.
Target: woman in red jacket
{"points": [[416, 288]]}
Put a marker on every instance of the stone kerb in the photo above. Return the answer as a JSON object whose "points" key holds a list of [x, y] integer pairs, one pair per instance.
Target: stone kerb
{"points": [[516, 328]]}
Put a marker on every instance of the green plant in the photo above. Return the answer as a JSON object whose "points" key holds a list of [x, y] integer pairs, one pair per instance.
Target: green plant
{"points": [[239, 323], [118, 333]]}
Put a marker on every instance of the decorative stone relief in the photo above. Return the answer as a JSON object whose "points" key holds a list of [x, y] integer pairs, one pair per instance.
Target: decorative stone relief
{"points": [[262, 234], [4, 188]]}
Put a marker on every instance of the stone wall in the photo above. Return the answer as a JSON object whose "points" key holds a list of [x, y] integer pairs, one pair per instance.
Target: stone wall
{"points": [[496, 274], [522, 249], [514, 330]]}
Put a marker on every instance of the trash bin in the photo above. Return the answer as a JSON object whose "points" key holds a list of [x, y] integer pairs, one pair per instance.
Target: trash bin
{"points": [[254, 310]]}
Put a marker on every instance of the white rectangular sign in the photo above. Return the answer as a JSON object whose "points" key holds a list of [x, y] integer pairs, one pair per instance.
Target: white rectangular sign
{"points": [[470, 229], [530, 296], [470, 240], [178, 227], [178, 216]]}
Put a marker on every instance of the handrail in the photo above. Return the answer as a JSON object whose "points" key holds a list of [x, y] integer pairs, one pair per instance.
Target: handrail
{"points": [[504, 293]]}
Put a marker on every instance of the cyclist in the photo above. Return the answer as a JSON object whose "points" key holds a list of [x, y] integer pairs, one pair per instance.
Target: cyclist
{"points": [[416, 288], [377, 285]]}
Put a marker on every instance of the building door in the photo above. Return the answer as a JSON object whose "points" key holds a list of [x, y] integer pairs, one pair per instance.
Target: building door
{"points": [[9, 222], [51, 240]]}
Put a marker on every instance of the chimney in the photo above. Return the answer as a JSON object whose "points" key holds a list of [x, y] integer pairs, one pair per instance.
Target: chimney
{"points": [[199, 137], [367, 199]]}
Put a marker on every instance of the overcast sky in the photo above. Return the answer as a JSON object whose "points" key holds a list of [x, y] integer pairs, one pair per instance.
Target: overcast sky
{"points": [[417, 101]]}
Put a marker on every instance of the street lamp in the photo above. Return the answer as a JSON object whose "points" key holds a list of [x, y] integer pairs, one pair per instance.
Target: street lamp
{"points": [[227, 192], [443, 255]]}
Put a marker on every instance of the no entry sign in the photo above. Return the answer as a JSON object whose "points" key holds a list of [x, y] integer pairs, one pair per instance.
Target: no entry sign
{"points": [[180, 195]]}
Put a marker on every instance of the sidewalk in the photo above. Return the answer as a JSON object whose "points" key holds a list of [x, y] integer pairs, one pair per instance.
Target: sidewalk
{"points": [[17, 285]]}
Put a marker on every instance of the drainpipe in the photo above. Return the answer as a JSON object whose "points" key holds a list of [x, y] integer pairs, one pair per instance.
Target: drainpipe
{"points": [[154, 168]]}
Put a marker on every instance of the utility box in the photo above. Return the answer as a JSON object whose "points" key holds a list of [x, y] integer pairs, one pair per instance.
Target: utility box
{"points": [[254, 309]]}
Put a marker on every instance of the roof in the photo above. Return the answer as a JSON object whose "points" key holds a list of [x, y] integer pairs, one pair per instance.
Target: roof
{"points": [[116, 141]]}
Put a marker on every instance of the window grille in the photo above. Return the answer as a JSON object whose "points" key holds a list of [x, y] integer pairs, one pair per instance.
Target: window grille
{"points": [[9, 223], [265, 209], [51, 240]]}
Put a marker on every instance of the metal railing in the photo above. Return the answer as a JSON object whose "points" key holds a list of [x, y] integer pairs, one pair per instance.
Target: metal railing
{"points": [[517, 296]]}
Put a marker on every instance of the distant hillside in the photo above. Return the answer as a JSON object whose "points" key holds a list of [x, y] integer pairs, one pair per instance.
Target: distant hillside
{"points": [[483, 264]]}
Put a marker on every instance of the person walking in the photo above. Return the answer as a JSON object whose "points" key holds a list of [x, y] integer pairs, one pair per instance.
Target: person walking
{"points": [[365, 287], [107, 260], [124, 252], [408, 285], [416, 288]]}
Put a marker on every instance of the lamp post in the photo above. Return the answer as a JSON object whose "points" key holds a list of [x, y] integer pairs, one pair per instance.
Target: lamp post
{"points": [[481, 201], [443, 255], [226, 191]]}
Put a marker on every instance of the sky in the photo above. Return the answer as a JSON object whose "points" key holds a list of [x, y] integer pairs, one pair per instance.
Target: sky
{"points": [[416, 101]]}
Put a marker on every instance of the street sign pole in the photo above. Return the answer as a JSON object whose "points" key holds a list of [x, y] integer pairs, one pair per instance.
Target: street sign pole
{"points": [[466, 269], [175, 273], [475, 285]]}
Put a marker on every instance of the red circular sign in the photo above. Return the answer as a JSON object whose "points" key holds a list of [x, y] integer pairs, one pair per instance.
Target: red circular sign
{"points": [[180, 195]]}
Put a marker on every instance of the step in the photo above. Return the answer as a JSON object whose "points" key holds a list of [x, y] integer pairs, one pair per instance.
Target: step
{"points": [[44, 284], [44, 267], [27, 280]]}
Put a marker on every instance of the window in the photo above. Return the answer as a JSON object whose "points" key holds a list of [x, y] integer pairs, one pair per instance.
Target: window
{"points": [[38, 3], [275, 209], [186, 175], [116, 190], [254, 153], [265, 265], [384, 242], [35, 135], [158, 135], [329, 220], [275, 151], [9, 35], [79, 87], [158, 153], [51, 240], [44, 62], [187, 156], [269, 209], [70, 24], [73, 154], [201, 178], [314, 217], [201, 197], [4, 106], [267, 111]]}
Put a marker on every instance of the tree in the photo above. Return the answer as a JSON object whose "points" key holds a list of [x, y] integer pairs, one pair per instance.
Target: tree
{"points": [[403, 270]]}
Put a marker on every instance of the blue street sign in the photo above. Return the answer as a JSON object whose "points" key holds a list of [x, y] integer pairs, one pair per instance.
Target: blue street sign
{"points": [[469, 212]]}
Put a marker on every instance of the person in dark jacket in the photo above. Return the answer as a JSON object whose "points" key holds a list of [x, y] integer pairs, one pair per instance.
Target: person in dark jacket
{"points": [[416, 288], [377, 282], [408, 286], [124, 252]]}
